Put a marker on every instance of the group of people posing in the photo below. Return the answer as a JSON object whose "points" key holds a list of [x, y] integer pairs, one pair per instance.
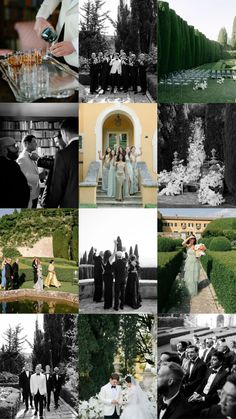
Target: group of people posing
{"points": [[109, 266], [118, 70], [120, 172], [35, 181], [198, 380], [37, 388], [11, 280]]}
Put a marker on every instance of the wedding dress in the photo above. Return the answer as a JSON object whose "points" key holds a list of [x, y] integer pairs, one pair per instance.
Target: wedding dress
{"points": [[39, 284], [138, 406]]}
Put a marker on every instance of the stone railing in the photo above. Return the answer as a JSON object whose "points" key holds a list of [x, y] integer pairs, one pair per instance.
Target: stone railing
{"points": [[88, 188], [148, 185], [9, 402], [21, 294], [148, 288]]}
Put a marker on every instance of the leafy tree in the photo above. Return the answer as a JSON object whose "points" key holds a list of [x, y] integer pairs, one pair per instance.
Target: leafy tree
{"points": [[223, 37], [38, 353]]}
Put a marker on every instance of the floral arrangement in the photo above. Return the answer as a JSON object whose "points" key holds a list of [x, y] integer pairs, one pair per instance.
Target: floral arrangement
{"points": [[200, 85], [91, 409], [173, 180], [200, 249], [196, 151], [211, 186], [221, 80]]}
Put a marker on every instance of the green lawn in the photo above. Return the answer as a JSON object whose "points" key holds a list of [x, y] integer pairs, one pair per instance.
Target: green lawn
{"points": [[65, 287]]}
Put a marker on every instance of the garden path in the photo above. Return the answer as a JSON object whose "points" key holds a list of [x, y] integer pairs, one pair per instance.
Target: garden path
{"points": [[120, 97], [64, 411], [88, 306]]}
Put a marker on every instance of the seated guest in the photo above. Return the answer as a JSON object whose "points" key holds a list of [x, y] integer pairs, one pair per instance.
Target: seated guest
{"points": [[228, 356], [196, 371], [196, 341], [227, 407], [206, 393], [181, 348], [208, 351], [169, 357], [233, 369], [202, 348], [172, 404]]}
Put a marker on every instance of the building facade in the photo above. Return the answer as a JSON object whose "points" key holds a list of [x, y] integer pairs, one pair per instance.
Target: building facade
{"points": [[183, 226]]}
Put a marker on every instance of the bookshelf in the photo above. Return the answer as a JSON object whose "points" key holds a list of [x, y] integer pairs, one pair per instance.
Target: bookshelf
{"points": [[43, 130]]}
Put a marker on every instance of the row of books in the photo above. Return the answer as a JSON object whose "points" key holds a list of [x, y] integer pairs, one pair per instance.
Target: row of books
{"points": [[45, 139], [29, 125]]}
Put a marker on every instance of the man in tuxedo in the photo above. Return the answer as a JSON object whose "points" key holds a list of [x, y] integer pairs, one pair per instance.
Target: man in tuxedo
{"points": [[206, 357], [111, 398], [98, 272], [119, 268], [29, 167], [64, 185], [226, 409], [24, 384], [105, 71], [35, 270], [57, 380], [66, 49], [38, 390], [169, 357], [195, 372], [181, 348], [9, 274], [207, 392], [49, 384], [15, 273], [228, 356], [15, 192], [172, 404]]}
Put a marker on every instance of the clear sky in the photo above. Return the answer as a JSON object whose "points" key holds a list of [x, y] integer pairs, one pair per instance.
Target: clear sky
{"points": [[110, 5], [27, 321], [6, 211], [199, 212], [99, 228], [208, 16]]}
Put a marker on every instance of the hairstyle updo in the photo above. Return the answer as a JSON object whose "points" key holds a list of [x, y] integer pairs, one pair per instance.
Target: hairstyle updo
{"points": [[128, 379]]}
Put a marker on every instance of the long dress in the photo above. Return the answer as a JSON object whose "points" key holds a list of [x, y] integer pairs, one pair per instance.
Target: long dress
{"points": [[132, 295], [120, 181], [134, 182], [108, 285], [192, 272], [111, 190], [105, 173], [129, 170], [51, 280], [39, 284], [4, 280], [134, 408]]}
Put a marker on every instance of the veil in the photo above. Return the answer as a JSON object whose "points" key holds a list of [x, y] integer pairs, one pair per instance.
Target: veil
{"points": [[145, 404]]}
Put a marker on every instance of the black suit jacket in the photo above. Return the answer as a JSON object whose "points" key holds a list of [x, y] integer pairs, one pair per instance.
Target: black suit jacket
{"points": [[15, 191], [228, 359], [217, 384], [24, 381], [213, 412], [98, 265], [49, 382], [120, 270], [64, 186], [8, 271], [191, 382], [57, 384], [179, 408], [208, 358]]}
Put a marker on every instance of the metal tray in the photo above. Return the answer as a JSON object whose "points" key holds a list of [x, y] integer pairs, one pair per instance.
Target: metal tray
{"points": [[51, 79]]}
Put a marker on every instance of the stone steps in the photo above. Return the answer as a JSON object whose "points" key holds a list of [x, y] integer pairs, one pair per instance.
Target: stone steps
{"points": [[104, 201]]}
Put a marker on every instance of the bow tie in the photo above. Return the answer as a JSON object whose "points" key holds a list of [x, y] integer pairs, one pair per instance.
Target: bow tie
{"points": [[113, 386], [37, 374], [214, 371], [163, 405]]}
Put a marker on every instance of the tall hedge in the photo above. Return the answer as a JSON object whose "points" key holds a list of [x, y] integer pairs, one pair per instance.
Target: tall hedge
{"points": [[61, 243], [169, 265], [181, 46], [74, 243]]}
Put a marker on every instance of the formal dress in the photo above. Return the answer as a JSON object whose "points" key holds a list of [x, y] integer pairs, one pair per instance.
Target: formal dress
{"points": [[106, 395], [38, 389], [132, 294], [120, 274], [214, 412], [134, 408], [105, 172], [108, 285], [194, 376], [178, 408], [24, 383], [111, 190], [30, 170], [134, 179], [120, 180], [191, 272], [15, 193], [39, 284], [4, 280], [57, 384], [51, 279]]}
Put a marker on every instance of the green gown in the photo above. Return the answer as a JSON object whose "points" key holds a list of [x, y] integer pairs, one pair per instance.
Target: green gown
{"points": [[111, 191], [192, 272]]}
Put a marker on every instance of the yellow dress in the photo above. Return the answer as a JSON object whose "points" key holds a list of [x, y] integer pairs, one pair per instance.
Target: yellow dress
{"points": [[51, 279]]}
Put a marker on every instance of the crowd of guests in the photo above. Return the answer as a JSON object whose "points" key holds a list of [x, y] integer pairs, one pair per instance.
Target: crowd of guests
{"points": [[11, 280], [119, 71], [120, 172], [126, 271], [198, 380], [34, 181], [37, 388]]}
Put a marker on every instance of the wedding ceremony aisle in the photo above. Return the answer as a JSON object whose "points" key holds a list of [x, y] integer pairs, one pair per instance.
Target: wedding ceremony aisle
{"points": [[121, 97], [64, 411]]}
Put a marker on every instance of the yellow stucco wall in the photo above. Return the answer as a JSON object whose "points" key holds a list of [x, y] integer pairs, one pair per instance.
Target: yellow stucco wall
{"points": [[184, 225], [144, 114]]}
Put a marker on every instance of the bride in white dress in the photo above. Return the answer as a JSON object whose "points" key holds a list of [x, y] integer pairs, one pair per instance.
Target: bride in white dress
{"points": [[138, 406], [39, 284]]}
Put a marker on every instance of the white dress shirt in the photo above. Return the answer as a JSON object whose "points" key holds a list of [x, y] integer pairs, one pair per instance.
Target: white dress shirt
{"points": [[210, 381]]}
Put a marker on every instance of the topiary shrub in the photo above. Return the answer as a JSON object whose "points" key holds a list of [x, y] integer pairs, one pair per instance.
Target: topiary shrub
{"points": [[220, 244], [230, 234], [212, 231], [74, 243], [178, 242], [11, 252], [207, 241], [166, 244]]}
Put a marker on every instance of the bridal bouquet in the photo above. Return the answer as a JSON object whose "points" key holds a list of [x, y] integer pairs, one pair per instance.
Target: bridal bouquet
{"points": [[91, 409], [200, 249], [124, 396]]}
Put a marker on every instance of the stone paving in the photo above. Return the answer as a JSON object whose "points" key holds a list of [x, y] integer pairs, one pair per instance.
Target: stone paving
{"points": [[89, 307], [120, 97], [64, 411]]}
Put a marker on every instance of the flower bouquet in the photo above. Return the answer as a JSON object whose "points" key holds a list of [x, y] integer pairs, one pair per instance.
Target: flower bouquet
{"points": [[200, 249]]}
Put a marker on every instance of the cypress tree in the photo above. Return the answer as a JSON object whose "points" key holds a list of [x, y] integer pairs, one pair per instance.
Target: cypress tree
{"points": [[223, 37], [165, 31], [233, 37]]}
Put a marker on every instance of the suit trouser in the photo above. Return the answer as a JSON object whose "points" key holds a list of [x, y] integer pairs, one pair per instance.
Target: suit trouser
{"points": [[26, 396], [56, 397], [115, 81], [48, 398], [38, 400], [114, 416], [119, 294]]}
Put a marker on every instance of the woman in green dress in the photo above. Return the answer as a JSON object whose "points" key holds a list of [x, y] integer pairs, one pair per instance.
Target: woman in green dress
{"points": [[134, 186], [129, 168], [192, 266], [105, 168], [111, 191], [120, 177]]}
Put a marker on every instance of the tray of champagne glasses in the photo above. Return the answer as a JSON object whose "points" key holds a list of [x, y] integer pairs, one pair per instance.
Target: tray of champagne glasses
{"points": [[33, 75]]}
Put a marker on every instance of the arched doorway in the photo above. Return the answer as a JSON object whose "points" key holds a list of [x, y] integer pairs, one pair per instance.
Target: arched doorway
{"points": [[117, 124]]}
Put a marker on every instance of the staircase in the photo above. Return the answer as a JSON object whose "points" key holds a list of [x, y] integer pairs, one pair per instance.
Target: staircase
{"points": [[105, 201]]}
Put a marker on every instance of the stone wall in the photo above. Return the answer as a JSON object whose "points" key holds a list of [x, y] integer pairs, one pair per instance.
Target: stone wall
{"points": [[43, 248], [9, 402]]}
